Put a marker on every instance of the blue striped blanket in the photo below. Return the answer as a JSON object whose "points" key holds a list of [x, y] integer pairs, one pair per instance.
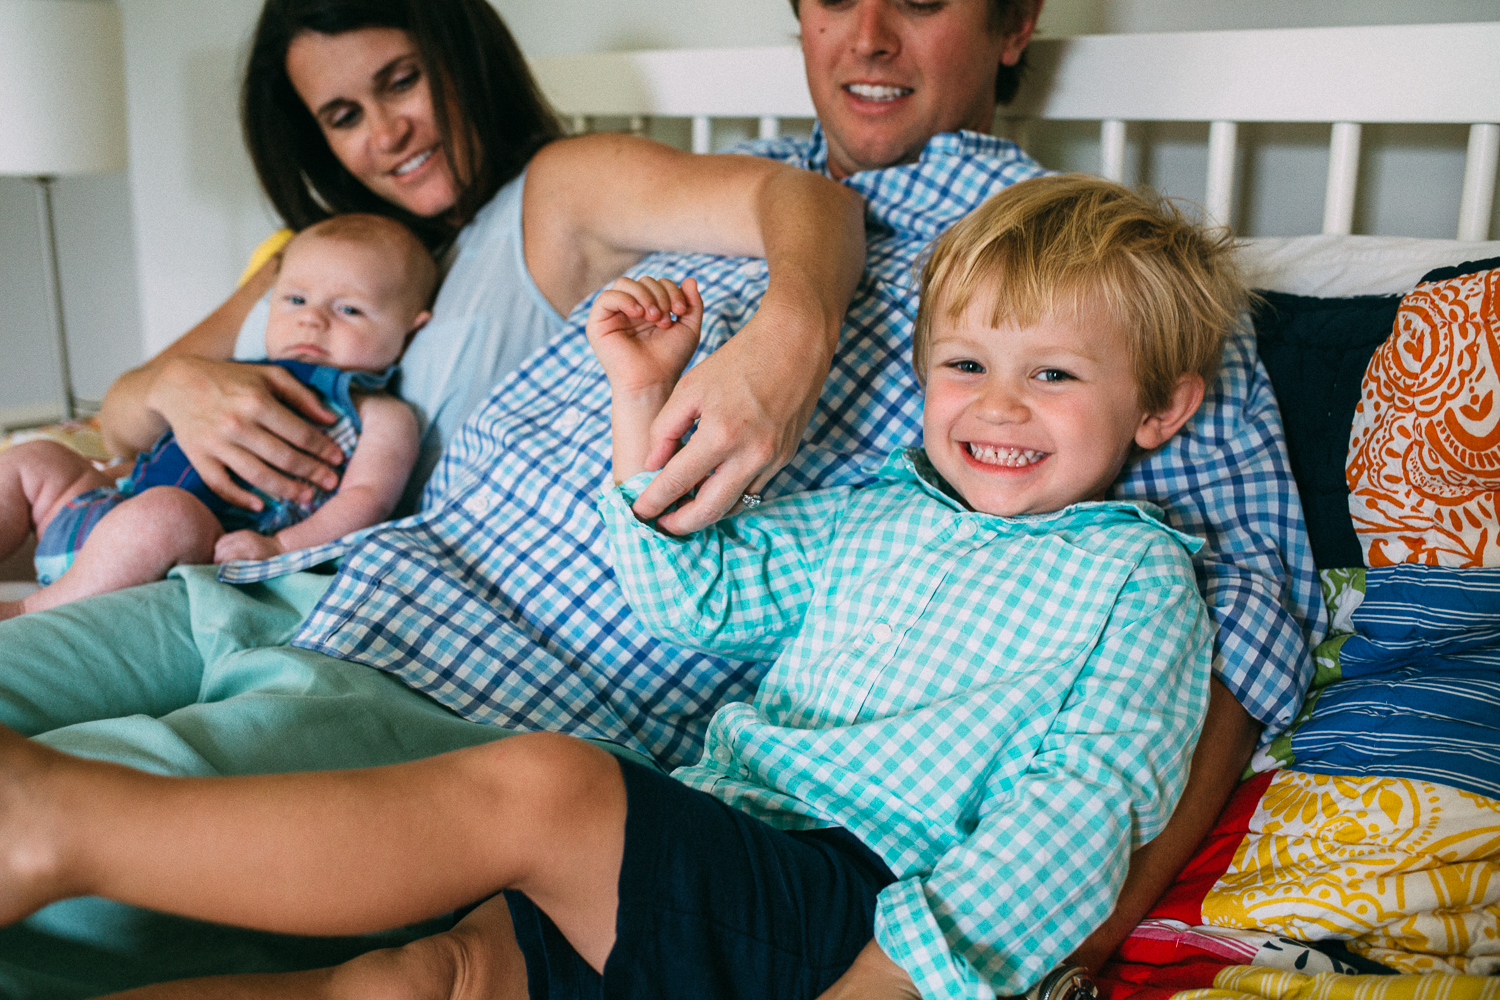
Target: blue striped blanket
{"points": [[1412, 687]]}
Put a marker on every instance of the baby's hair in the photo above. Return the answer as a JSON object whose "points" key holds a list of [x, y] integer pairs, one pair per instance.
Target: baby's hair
{"points": [[1055, 243], [419, 272]]}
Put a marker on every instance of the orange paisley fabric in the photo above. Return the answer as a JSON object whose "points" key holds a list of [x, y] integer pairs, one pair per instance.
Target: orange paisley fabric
{"points": [[1424, 451]]}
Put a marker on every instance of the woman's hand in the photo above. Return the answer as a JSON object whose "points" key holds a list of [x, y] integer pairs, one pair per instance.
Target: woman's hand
{"points": [[751, 400], [254, 420]]}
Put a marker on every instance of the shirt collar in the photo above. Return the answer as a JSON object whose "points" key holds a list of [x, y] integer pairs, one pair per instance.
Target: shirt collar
{"points": [[962, 144], [911, 465]]}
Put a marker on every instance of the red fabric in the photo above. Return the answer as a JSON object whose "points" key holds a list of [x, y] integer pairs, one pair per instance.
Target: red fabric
{"points": [[1153, 968], [1184, 900]]}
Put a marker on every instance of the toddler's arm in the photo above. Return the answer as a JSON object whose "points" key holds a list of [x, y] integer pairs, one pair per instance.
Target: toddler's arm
{"points": [[643, 351], [371, 487]]}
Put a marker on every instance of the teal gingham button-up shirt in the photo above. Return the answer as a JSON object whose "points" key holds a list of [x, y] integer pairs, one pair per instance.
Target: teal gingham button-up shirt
{"points": [[1001, 708]]}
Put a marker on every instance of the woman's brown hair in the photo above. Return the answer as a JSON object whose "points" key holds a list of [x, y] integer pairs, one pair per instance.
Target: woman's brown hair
{"points": [[470, 61]]}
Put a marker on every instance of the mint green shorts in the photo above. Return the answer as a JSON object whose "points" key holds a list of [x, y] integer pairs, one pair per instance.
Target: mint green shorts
{"points": [[192, 677]]}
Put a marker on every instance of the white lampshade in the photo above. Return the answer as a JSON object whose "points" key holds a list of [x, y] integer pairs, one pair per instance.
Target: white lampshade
{"points": [[62, 87]]}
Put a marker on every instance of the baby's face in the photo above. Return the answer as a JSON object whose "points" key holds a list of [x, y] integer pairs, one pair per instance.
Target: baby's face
{"points": [[1029, 419], [340, 303]]}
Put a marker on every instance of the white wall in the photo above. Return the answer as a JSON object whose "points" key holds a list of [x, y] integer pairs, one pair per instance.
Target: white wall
{"points": [[146, 255]]}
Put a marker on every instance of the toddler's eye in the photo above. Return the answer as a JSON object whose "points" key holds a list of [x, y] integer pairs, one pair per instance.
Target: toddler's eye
{"points": [[1054, 375], [967, 367]]}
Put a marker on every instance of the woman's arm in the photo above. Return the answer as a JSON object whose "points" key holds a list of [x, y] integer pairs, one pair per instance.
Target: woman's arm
{"points": [[594, 205], [249, 419]]}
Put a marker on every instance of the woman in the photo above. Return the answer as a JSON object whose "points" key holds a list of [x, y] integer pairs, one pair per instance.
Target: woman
{"points": [[426, 112]]}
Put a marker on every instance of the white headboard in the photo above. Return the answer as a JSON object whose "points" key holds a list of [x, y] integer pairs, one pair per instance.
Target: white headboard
{"points": [[1345, 77]]}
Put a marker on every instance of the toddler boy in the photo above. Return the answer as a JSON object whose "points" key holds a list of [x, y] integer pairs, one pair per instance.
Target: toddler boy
{"points": [[985, 685], [350, 293]]}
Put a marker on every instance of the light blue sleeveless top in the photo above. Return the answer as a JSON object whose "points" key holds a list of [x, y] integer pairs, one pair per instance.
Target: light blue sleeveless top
{"points": [[488, 317]]}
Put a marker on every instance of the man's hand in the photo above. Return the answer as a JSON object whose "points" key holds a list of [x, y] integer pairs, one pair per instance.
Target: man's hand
{"points": [[249, 419], [250, 545], [873, 976], [751, 399]]}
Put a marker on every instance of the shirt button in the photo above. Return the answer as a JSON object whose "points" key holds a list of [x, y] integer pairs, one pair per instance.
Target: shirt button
{"points": [[477, 505], [723, 755], [965, 529], [569, 418], [882, 632]]}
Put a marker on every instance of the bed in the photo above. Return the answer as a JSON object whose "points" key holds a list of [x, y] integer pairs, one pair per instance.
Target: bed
{"points": [[1361, 855]]}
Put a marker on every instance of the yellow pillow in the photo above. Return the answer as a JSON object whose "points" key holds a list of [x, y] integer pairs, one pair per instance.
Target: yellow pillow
{"points": [[268, 248]]}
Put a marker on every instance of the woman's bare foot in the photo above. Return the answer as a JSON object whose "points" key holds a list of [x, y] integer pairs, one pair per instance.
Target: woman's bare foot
{"points": [[30, 853]]}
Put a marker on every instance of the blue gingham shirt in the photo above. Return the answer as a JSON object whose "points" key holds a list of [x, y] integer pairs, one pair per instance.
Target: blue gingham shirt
{"points": [[499, 601], [1001, 708]]}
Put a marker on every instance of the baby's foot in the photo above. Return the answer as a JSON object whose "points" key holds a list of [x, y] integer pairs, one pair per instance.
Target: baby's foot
{"points": [[30, 859]]}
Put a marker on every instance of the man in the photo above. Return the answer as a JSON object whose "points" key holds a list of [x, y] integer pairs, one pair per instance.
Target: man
{"points": [[498, 602]]}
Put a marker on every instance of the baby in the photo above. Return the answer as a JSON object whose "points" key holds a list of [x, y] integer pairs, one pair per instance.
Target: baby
{"points": [[350, 294], [985, 680]]}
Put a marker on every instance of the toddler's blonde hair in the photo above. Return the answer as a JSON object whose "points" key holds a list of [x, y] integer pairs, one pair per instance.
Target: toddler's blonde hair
{"points": [[1053, 244]]}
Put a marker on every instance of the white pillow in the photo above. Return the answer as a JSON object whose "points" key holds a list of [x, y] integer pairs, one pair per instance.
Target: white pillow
{"points": [[1336, 266]]}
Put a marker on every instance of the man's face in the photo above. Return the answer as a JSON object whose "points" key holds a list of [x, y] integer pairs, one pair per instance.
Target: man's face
{"points": [[887, 75]]}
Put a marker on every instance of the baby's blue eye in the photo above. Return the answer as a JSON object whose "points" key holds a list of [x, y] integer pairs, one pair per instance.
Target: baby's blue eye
{"points": [[968, 367], [350, 310], [296, 300], [1054, 375]]}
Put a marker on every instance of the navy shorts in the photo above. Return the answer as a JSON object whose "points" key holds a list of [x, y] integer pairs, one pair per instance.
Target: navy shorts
{"points": [[714, 903]]}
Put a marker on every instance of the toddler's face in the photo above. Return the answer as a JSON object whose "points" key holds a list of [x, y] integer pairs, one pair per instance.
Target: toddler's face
{"points": [[340, 303], [1029, 419]]}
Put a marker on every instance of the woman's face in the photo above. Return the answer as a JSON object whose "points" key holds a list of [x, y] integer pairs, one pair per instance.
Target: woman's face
{"points": [[371, 96]]}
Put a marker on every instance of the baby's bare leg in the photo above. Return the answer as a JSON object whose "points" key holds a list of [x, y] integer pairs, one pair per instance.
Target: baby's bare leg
{"points": [[337, 852], [36, 479], [477, 960], [137, 542]]}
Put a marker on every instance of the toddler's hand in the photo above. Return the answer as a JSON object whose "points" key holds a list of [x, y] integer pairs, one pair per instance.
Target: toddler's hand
{"points": [[246, 545], [634, 336]]}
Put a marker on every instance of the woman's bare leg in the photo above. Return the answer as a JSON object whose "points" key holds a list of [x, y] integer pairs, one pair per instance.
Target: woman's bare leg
{"points": [[334, 852], [477, 960]]}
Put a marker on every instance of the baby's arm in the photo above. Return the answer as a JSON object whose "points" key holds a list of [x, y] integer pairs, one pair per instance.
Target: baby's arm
{"points": [[371, 487], [643, 351]]}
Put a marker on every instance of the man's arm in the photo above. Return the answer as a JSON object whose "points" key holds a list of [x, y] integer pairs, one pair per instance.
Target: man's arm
{"points": [[594, 205], [1224, 748]]}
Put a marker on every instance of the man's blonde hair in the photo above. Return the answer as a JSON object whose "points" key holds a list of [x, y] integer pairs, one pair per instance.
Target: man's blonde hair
{"points": [[1053, 244]]}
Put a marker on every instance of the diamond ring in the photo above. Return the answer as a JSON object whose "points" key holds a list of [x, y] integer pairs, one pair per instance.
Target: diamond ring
{"points": [[751, 500]]}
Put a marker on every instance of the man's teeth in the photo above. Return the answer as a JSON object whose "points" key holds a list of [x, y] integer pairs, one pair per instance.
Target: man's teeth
{"points": [[877, 92], [1012, 457], [412, 164]]}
